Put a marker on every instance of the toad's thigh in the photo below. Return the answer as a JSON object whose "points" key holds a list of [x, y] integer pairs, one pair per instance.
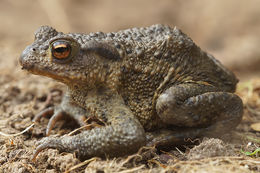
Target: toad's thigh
{"points": [[200, 110]]}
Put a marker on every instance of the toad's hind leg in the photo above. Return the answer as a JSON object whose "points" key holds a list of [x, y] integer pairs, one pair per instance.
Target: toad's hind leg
{"points": [[199, 109]]}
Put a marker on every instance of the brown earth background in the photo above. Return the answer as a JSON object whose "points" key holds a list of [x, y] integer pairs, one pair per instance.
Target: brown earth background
{"points": [[230, 30]]}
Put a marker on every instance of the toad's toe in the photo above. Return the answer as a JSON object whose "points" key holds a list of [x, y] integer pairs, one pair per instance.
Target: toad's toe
{"points": [[48, 142]]}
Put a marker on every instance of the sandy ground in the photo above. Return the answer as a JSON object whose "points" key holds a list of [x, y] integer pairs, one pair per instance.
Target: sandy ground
{"points": [[230, 30]]}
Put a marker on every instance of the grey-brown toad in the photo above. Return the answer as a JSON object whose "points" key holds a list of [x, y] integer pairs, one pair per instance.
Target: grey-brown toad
{"points": [[150, 86]]}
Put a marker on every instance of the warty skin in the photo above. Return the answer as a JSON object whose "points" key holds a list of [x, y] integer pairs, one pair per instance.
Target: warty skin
{"points": [[150, 86]]}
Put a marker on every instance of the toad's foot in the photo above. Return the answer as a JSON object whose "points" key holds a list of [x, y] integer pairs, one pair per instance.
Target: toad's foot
{"points": [[59, 112]]}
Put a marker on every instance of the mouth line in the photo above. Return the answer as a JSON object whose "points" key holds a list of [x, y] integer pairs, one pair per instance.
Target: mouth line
{"points": [[27, 67], [63, 79]]}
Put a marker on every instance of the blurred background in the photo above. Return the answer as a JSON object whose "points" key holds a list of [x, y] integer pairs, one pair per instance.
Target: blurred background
{"points": [[230, 30]]}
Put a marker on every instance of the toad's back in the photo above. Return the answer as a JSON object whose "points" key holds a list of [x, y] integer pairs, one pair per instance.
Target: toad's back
{"points": [[156, 58], [154, 50]]}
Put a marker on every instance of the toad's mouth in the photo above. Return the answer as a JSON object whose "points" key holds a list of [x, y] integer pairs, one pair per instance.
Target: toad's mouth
{"points": [[34, 68], [45, 72]]}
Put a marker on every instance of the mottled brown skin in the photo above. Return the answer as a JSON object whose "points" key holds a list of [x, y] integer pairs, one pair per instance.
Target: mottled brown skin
{"points": [[150, 86]]}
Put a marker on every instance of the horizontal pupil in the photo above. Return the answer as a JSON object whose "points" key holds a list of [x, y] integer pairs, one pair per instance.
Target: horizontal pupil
{"points": [[61, 49]]}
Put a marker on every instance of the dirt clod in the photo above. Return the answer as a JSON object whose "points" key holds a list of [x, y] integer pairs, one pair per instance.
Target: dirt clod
{"points": [[209, 148]]}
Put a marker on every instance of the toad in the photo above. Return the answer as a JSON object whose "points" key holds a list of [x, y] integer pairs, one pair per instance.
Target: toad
{"points": [[150, 86]]}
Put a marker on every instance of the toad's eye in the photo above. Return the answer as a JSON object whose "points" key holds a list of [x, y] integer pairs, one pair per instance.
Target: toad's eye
{"points": [[61, 49]]}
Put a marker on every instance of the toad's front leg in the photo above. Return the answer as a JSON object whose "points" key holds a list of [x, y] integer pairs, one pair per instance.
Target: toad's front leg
{"points": [[66, 108], [123, 134]]}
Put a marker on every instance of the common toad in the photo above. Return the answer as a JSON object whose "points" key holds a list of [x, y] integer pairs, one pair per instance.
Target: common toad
{"points": [[150, 86]]}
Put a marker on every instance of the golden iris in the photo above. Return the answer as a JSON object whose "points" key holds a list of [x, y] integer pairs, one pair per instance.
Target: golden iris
{"points": [[61, 49]]}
